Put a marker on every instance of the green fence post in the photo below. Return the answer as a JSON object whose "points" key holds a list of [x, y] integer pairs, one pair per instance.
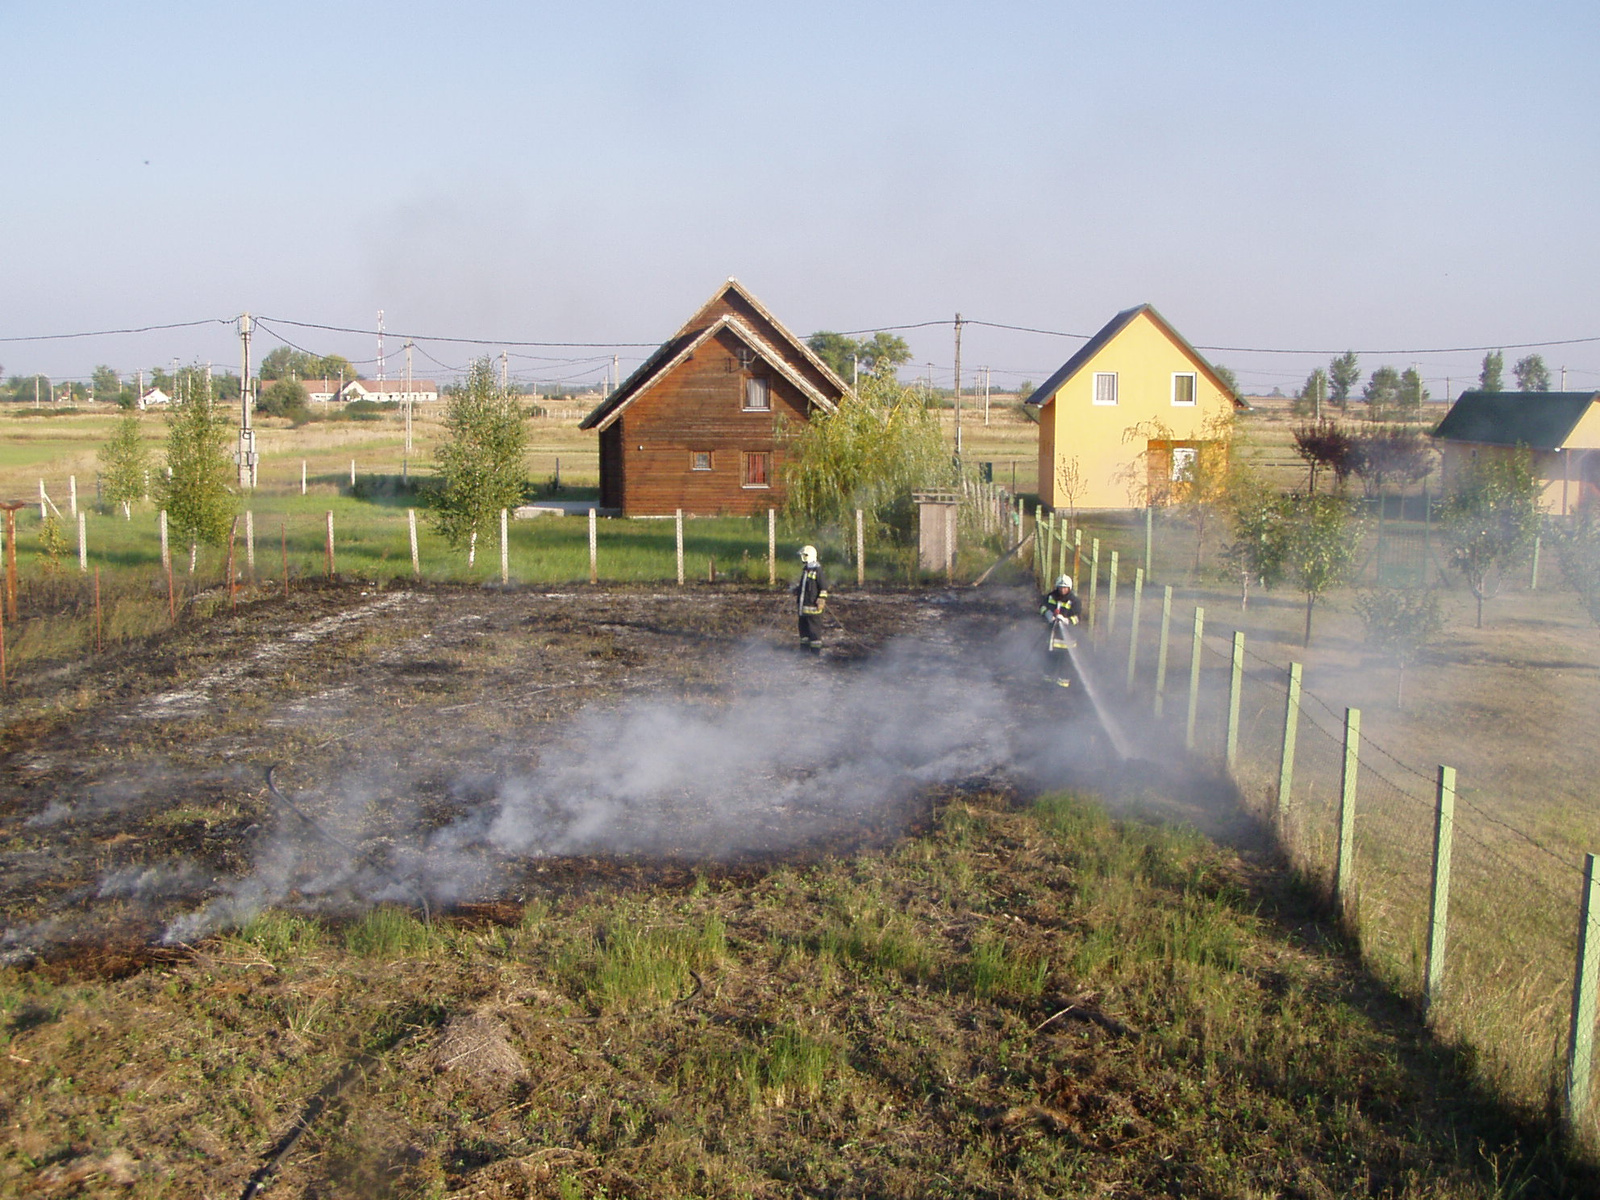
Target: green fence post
{"points": [[1533, 582], [1347, 805], [1580, 1041], [1133, 634], [1094, 580], [1194, 675], [1161, 653], [1291, 728], [1049, 553], [1111, 597], [1148, 522], [1444, 825], [1235, 686], [1061, 554]]}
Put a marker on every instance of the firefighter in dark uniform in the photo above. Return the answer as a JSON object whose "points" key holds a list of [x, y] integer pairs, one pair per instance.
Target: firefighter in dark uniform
{"points": [[1060, 609], [811, 597]]}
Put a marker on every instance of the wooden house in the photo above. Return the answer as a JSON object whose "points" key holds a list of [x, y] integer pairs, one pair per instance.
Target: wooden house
{"points": [[1561, 431], [698, 426], [1123, 419]]}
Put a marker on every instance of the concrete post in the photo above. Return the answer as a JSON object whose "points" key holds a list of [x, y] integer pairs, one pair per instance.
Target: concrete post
{"points": [[1133, 634], [83, 544], [772, 547], [1291, 730], [1347, 806], [411, 528], [594, 549], [1111, 597], [505, 548], [861, 549], [679, 526], [1235, 688], [1444, 823], [1197, 647], [1580, 1037], [1161, 651]]}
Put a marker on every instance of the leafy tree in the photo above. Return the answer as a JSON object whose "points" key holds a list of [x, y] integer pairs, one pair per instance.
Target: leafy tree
{"points": [[1325, 446], [52, 544], [1532, 375], [869, 454], [1400, 622], [480, 461], [1491, 378], [1313, 393], [197, 494], [1025, 389], [1382, 393], [124, 464], [1490, 518], [1320, 540], [106, 382], [1390, 453], [877, 355], [1578, 551], [1227, 377], [1344, 373], [285, 362], [1413, 395], [285, 398], [1256, 516]]}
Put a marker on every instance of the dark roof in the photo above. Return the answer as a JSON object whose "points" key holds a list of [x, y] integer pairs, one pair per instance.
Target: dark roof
{"points": [[1538, 420], [1109, 330]]}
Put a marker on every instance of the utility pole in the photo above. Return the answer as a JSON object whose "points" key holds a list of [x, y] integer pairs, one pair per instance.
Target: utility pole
{"points": [[986, 397], [380, 347], [504, 367], [248, 458], [1563, 379], [408, 404], [616, 372], [958, 390]]}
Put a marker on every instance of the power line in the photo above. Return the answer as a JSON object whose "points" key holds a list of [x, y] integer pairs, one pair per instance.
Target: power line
{"points": [[434, 337], [60, 337]]}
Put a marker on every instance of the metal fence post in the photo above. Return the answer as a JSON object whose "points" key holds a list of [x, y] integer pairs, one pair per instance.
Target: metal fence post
{"points": [[1194, 675], [1235, 687], [1444, 824], [1161, 652], [1291, 729], [1347, 805], [1580, 1040], [1133, 634]]}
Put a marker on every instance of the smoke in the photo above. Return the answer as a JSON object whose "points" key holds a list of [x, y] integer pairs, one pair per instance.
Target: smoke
{"points": [[792, 754]]}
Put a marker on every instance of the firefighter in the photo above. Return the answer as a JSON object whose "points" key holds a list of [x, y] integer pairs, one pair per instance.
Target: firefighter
{"points": [[811, 597], [1060, 609]]}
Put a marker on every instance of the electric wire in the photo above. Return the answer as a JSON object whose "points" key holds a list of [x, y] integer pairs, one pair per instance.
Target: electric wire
{"points": [[435, 337], [60, 337]]}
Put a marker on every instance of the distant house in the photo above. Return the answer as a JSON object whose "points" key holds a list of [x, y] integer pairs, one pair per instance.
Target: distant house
{"points": [[322, 391], [1560, 429], [390, 391], [697, 426], [1124, 417], [154, 396]]}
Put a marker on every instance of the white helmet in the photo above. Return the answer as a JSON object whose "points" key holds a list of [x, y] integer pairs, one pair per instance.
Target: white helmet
{"points": [[808, 554], [1064, 583]]}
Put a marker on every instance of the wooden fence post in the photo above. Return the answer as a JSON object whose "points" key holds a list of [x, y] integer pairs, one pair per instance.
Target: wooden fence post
{"points": [[233, 537], [1161, 652], [1111, 597], [1580, 1039], [680, 546], [1196, 649], [1345, 867], [505, 548], [1235, 687], [328, 549], [1291, 730], [772, 547], [1133, 634], [594, 549], [1444, 824], [861, 549], [416, 558]]}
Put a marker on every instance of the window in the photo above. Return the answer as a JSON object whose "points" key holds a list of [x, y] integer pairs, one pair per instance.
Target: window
{"points": [[699, 460], [757, 470], [1183, 389], [1183, 462], [1105, 387], [757, 394]]}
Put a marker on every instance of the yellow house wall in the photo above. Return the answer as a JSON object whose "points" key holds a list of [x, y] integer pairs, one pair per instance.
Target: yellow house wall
{"points": [[1110, 459], [1558, 495], [1585, 434]]}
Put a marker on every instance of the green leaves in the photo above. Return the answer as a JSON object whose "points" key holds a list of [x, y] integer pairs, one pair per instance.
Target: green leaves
{"points": [[481, 460], [1491, 517], [124, 463], [197, 494]]}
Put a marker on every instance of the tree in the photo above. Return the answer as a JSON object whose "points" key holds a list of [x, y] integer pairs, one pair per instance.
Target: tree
{"points": [[1320, 539], [1324, 445], [1400, 622], [1308, 401], [870, 453], [1382, 393], [1413, 395], [196, 494], [1578, 551], [124, 464], [1491, 378], [285, 398], [1532, 375], [288, 363], [1256, 516], [1069, 483], [1227, 377], [1344, 373], [1390, 453], [480, 461], [106, 383], [1025, 389], [877, 355], [1490, 518]]}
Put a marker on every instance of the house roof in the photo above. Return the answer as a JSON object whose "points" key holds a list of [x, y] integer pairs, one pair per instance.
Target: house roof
{"points": [[1047, 390], [390, 385], [1538, 420], [694, 332]]}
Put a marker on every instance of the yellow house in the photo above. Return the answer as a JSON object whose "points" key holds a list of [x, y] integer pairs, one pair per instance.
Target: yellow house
{"points": [[1124, 417], [1560, 430]]}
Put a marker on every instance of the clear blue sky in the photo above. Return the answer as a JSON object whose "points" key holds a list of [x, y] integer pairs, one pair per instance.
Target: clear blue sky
{"points": [[1280, 175]]}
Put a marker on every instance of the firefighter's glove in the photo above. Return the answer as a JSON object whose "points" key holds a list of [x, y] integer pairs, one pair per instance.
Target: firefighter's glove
{"points": [[1072, 620]]}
